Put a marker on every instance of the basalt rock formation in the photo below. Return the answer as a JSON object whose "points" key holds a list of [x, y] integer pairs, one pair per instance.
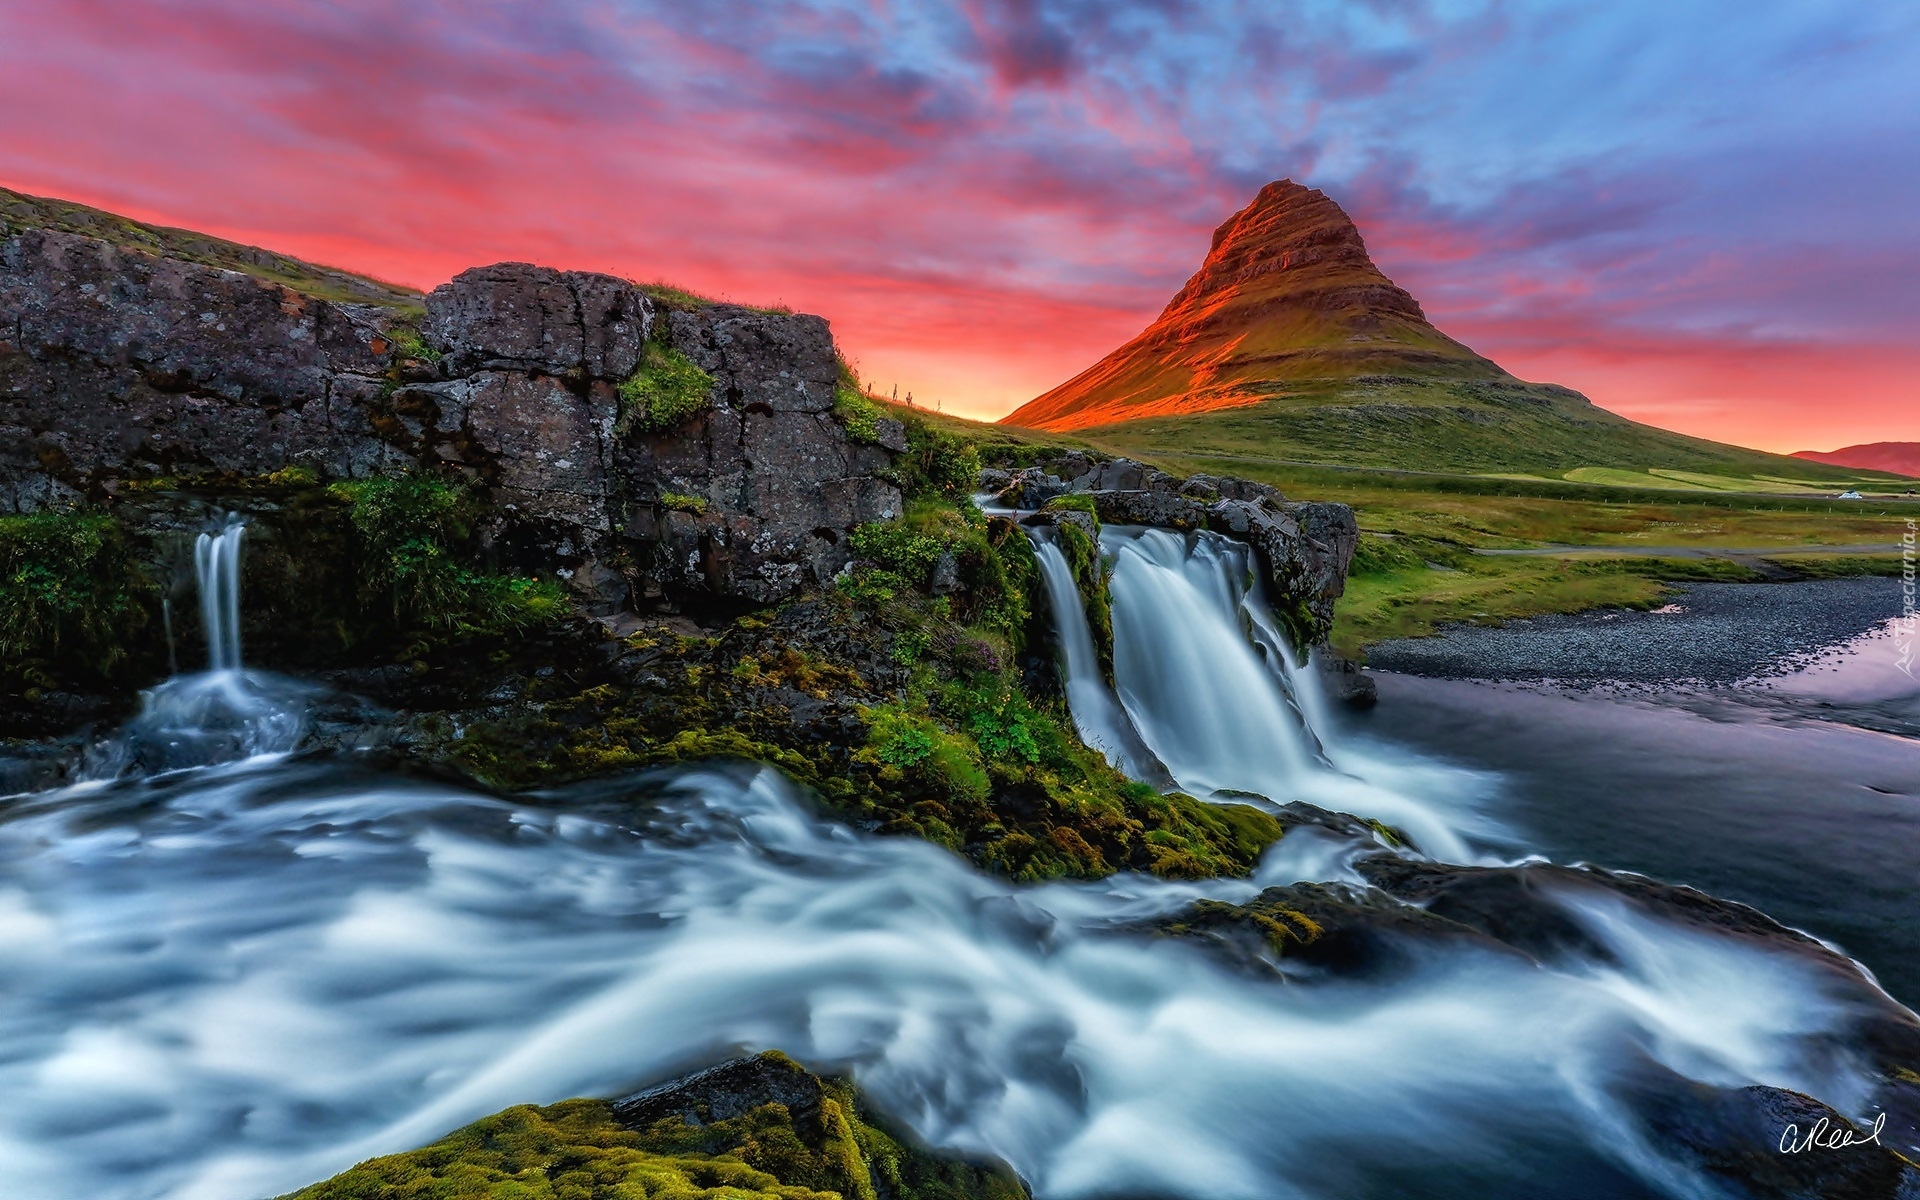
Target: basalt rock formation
{"points": [[1287, 293], [120, 365]]}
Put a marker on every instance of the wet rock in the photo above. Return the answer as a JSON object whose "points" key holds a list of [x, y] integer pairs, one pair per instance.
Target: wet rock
{"points": [[1345, 681], [1737, 1135], [722, 1093]]}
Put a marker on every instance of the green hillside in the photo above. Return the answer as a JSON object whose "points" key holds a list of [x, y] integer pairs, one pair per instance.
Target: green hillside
{"points": [[1475, 428]]}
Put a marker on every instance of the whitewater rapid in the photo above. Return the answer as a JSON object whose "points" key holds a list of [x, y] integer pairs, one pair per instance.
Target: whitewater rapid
{"points": [[231, 982]]}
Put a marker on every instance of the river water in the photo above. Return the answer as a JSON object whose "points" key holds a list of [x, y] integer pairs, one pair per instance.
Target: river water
{"points": [[228, 980]]}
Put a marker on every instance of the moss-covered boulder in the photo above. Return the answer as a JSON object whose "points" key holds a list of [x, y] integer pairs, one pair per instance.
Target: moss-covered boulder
{"points": [[757, 1127]]}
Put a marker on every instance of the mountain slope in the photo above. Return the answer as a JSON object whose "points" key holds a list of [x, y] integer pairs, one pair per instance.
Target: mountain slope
{"points": [[1899, 458], [21, 211], [1287, 293]]}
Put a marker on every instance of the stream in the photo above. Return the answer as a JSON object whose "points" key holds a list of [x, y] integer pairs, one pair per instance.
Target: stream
{"points": [[227, 970]]}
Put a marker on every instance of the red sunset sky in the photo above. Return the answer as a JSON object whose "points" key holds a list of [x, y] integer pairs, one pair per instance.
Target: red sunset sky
{"points": [[1709, 221]]}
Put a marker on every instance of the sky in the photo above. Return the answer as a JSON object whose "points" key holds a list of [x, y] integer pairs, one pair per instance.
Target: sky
{"points": [[1704, 214]]}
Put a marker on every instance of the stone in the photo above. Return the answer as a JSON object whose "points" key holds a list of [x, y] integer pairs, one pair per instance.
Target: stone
{"points": [[519, 316]]}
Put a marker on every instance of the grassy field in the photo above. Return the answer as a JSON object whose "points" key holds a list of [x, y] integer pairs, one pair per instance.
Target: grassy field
{"points": [[1419, 568], [1517, 430]]}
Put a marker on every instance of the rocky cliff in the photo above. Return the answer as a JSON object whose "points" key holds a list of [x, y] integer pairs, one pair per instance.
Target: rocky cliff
{"points": [[1287, 292], [120, 366]]}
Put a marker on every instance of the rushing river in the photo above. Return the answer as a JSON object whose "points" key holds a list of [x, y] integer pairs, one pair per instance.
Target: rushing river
{"points": [[222, 982]]}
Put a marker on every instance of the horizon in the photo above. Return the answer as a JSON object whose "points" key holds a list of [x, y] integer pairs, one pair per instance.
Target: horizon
{"points": [[985, 199]]}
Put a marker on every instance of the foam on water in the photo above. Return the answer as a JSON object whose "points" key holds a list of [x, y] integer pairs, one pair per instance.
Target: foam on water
{"points": [[235, 981]]}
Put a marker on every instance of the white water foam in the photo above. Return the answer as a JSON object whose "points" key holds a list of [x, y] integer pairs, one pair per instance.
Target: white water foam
{"points": [[233, 982]]}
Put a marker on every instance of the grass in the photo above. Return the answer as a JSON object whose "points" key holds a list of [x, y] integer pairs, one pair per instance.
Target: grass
{"points": [[1463, 427], [1432, 475], [665, 391]]}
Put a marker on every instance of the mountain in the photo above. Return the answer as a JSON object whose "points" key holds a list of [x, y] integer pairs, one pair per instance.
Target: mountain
{"points": [[1287, 293], [1899, 458], [1290, 345]]}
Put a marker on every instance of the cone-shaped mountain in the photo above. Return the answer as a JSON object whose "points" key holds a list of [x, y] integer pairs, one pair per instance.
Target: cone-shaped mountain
{"points": [[1287, 293]]}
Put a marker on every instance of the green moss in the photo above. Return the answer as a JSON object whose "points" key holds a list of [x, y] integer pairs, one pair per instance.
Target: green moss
{"points": [[1082, 552], [71, 597], [859, 413], [667, 390], [575, 1150], [414, 534], [680, 502]]}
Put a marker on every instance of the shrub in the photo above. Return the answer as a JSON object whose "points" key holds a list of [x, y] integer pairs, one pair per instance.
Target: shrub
{"points": [[894, 546], [667, 390], [67, 586], [414, 531], [936, 463]]}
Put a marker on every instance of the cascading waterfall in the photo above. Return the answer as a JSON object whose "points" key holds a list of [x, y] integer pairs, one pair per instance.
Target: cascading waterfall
{"points": [[235, 980], [1097, 716], [1213, 687]]}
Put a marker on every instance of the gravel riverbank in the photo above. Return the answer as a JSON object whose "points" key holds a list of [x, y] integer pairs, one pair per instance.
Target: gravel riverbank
{"points": [[1709, 633]]}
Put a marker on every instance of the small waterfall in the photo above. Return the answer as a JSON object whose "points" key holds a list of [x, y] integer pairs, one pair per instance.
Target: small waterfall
{"points": [[1097, 716], [216, 564], [223, 714], [1220, 705], [1205, 702]]}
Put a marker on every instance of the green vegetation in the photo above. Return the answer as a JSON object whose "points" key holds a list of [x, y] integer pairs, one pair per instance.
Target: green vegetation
{"points": [[19, 211], [1461, 428], [858, 412], [1430, 574], [407, 343], [918, 720], [680, 502], [832, 1149], [413, 533], [70, 594], [665, 391]]}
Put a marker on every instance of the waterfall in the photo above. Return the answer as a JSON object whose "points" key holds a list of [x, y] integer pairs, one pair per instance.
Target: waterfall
{"points": [[223, 714], [1202, 697], [216, 565], [1221, 706], [1097, 716]]}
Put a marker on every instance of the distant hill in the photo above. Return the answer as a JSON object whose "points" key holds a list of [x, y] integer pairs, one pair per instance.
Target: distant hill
{"points": [[21, 211], [1287, 293], [1898, 458]]}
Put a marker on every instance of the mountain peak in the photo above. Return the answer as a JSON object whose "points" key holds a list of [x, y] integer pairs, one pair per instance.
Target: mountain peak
{"points": [[1287, 293]]}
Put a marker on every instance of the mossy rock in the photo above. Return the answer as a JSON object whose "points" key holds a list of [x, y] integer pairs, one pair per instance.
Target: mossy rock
{"points": [[758, 1127]]}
